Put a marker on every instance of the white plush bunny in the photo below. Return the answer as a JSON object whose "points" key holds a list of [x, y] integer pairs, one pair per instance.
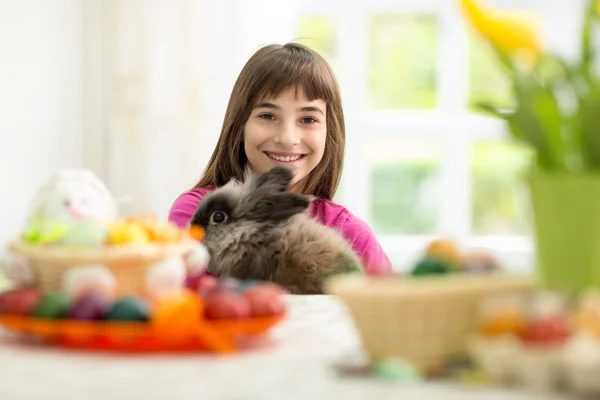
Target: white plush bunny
{"points": [[73, 195]]}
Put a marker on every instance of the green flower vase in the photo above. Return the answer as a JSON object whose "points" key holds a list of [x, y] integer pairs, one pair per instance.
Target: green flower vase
{"points": [[566, 212]]}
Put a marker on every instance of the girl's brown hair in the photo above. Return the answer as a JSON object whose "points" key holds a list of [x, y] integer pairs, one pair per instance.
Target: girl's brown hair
{"points": [[270, 71]]}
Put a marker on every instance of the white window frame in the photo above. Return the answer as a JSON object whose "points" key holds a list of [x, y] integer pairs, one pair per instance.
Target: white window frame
{"points": [[450, 122]]}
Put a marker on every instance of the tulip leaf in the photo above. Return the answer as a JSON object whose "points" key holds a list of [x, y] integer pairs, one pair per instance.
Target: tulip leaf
{"points": [[504, 58], [538, 120], [487, 107]]}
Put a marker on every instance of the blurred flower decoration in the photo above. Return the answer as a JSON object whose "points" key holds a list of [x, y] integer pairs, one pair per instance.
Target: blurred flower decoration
{"points": [[509, 32], [556, 100]]}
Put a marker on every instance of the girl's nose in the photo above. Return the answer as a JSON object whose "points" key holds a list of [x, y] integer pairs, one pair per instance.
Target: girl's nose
{"points": [[288, 135]]}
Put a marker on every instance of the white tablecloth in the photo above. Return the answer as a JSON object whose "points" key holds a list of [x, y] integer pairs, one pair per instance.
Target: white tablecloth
{"points": [[294, 363]]}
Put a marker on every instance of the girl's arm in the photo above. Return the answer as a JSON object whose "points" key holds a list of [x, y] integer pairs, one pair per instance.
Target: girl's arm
{"points": [[360, 235], [185, 206]]}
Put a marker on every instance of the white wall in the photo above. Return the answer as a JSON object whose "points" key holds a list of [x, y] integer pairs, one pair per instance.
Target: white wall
{"points": [[168, 71], [41, 67]]}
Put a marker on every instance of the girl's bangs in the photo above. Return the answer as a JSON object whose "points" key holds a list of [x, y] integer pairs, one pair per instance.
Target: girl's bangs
{"points": [[315, 80]]}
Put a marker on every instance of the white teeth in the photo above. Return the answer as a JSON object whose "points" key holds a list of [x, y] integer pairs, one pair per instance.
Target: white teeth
{"points": [[284, 158]]}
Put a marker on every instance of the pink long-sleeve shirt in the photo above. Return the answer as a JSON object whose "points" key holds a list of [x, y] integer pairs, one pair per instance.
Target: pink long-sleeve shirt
{"points": [[354, 230]]}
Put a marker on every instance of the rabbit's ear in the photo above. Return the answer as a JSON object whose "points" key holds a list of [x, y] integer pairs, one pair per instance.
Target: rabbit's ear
{"points": [[276, 179], [278, 206]]}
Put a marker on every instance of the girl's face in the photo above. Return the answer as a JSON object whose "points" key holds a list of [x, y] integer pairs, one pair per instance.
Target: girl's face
{"points": [[288, 130]]}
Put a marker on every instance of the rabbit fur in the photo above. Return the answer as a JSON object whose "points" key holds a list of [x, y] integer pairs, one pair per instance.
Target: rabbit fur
{"points": [[257, 230]]}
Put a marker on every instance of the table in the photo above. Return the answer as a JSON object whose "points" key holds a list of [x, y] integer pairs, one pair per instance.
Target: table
{"points": [[294, 362]]}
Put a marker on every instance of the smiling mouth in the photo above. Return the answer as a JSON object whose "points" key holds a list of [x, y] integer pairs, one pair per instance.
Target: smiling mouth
{"points": [[285, 157]]}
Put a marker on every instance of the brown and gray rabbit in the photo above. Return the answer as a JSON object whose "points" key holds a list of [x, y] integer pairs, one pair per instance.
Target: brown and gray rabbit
{"points": [[257, 230]]}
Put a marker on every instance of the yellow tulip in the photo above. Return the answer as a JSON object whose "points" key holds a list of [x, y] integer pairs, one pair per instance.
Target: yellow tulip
{"points": [[128, 232], [510, 32]]}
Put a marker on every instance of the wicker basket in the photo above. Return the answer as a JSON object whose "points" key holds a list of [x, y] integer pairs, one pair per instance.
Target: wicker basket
{"points": [[424, 320], [128, 263]]}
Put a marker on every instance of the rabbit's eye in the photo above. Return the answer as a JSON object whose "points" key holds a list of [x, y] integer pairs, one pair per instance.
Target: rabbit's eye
{"points": [[218, 217]]}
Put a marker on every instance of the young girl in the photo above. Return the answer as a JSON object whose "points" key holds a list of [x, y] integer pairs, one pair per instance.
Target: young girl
{"points": [[285, 109]]}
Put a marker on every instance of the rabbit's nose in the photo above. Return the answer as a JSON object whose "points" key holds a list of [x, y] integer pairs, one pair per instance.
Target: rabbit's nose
{"points": [[75, 211]]}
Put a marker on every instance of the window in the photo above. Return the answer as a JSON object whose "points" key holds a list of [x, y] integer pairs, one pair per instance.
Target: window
{"points": [[499, 199], [410, 72], [319, 33], [402, 61], [396, 164]]}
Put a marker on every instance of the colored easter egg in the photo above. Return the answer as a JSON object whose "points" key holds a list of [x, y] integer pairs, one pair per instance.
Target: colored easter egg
{"points": [[396, 370], [548, 319], [128, 232], [553, 329], [178, 312], [197, 232], [128, 309], [168, 232], [430, 266], [228, 283], [503, 323], [502, 315], [226, 305], [191, 282], [52, 306], [19, 301], [90, 307], [46, 231], [265, 300], [197, 259], [481, 262], [206, 285], [166, 277], [445, 250], [587, 319], [247, 284]]}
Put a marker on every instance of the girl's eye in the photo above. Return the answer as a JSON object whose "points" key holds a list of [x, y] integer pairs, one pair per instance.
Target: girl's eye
{"points": [[308, 120], [267, 116]]}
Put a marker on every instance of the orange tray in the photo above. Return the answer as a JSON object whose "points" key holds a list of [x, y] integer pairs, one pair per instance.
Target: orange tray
{"points": [[205, 336]]}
